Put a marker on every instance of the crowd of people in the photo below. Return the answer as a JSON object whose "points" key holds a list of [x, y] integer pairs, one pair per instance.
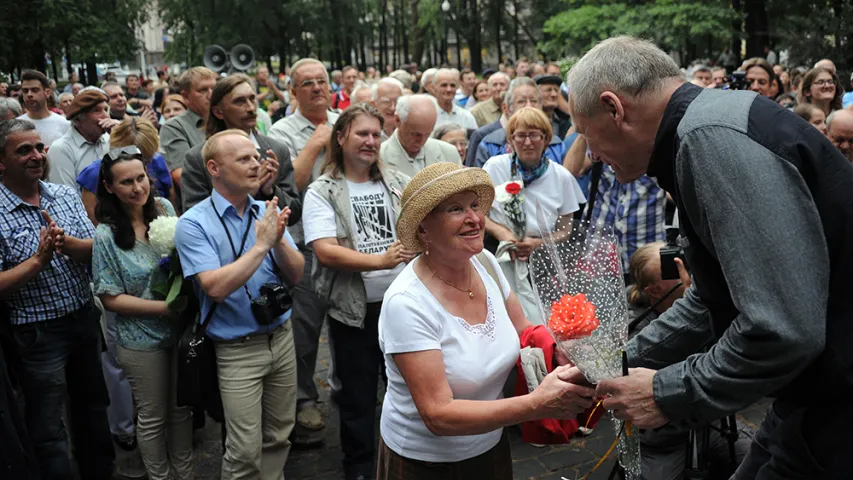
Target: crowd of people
{"points": [[377, 204]]}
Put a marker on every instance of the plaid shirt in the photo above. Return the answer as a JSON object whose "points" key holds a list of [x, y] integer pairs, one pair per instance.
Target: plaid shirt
{"points": [[63, 286], [636, 211]]}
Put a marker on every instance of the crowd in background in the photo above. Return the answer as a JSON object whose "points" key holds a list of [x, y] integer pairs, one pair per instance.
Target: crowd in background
{"points": [[321, 161]]}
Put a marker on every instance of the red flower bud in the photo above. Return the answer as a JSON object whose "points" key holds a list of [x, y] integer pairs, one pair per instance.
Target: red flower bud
{"points": [[513, 188]]}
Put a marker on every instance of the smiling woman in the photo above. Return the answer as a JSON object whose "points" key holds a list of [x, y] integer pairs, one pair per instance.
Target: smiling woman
{"points": [[449, 331]]}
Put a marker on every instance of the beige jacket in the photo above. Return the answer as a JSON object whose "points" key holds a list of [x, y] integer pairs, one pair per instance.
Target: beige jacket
{"points": [[393, 155]]}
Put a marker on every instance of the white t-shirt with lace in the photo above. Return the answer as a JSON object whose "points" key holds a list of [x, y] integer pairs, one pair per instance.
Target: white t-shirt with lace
{"points": [[477, 360]]}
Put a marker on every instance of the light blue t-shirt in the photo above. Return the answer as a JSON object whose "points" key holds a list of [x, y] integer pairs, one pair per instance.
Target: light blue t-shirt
{"points": [[847, 100], [203, 245], [133, 272]]}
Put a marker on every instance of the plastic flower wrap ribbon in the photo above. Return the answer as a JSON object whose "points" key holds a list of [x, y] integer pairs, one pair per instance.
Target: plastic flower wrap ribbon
{"points": [[175, 291], [577, 275]]}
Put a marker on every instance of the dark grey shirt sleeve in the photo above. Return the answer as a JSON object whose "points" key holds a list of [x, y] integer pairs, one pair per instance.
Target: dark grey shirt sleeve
{"points": [[753, 211], [195, 182]]}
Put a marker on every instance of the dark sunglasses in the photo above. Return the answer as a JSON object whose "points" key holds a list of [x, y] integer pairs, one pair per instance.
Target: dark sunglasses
{"points": [[122, 153]]}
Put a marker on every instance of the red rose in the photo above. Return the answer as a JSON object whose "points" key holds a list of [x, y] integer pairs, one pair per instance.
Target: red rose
{"points": [[513, 188]]}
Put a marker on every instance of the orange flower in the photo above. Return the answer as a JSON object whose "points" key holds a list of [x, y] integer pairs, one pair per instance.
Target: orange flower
{"points": [[572, 317]]}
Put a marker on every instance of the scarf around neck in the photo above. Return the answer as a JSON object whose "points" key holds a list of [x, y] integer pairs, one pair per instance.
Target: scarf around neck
{"points": [[529, 175]]}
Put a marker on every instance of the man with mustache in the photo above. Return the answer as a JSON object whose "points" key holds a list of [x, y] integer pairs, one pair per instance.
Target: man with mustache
{"points": [[307, 133], [233, 105], [87, 140], [45, 253]]}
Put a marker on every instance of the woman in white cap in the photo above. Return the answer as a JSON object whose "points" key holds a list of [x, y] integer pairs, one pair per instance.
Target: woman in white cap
{"points": [[450, 336]]}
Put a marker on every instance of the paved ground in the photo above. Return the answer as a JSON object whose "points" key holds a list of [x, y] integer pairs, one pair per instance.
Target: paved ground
{"points": [[550, 463]]}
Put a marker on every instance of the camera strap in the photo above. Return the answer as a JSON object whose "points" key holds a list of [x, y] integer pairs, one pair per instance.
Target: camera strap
{"points": [[648, 311], [231, 241]]}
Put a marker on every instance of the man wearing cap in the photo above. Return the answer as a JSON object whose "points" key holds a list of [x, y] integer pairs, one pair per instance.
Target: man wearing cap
{"points": [[87, 140], [489, 111], [549, 87]]}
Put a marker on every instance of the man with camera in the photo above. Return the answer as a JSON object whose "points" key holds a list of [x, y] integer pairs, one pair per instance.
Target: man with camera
{"points": [[764, 203], [239, 255]]}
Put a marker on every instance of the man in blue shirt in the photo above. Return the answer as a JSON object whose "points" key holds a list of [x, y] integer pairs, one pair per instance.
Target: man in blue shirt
{"points": [[231, 245], [45, 252]]}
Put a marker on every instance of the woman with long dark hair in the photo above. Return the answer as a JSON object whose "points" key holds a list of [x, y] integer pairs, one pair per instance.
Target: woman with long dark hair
{"points": [[126, 269]]}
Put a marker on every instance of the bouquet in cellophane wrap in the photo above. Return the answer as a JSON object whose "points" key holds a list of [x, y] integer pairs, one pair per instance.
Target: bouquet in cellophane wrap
{"points": [[577, 275]]}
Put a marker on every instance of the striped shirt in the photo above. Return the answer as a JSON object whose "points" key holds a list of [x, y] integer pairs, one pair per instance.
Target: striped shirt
{"points": [[62, 287], [636, 211]]}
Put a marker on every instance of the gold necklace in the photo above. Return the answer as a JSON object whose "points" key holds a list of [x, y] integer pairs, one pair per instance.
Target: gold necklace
{"points": [[468, 291]]}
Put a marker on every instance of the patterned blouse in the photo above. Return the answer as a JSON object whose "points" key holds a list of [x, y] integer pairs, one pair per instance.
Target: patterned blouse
{"points": [[133, 272]]}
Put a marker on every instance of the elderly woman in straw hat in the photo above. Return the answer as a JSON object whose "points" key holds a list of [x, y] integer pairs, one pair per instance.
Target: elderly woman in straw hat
{"points": [[551, 194], [449, 330]]}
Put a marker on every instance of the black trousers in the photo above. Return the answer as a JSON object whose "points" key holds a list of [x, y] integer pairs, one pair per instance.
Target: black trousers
{"points": [[358, 363]]}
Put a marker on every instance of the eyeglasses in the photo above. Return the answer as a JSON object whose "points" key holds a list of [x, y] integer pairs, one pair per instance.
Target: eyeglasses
{"points": [[521, 137], [460, 143], [821, 83], [312, 82], [116, 154]]}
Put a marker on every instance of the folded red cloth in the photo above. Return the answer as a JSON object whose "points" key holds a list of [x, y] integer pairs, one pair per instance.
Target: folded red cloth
{"points": [[549, 430]]}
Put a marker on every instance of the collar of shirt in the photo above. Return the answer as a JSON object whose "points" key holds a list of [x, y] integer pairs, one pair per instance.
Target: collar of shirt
{"points": [[303, 122], [666, 142], [223, 205], [194, 119], [420, 157], [254, 139], [9, 201], [79, 140]]}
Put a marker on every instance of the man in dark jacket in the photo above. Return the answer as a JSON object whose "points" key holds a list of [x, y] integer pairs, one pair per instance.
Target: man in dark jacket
{"points": [[233, 105], [765, 203]]}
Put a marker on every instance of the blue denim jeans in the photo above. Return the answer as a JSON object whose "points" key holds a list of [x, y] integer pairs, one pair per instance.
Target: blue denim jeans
{"points": [[55, 359]]}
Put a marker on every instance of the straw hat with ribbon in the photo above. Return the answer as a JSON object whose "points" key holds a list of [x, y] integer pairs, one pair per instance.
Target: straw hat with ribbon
{"points": [[433, 185]]}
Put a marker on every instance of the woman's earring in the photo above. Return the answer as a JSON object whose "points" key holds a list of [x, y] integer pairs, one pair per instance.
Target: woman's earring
{"points": [[426, 252]]}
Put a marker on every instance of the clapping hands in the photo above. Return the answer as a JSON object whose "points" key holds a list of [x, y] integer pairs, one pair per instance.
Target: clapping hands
{"points": [[270, 228]]}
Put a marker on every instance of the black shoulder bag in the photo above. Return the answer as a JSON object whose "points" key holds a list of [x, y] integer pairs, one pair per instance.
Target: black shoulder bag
{"points": [[198, 381]]}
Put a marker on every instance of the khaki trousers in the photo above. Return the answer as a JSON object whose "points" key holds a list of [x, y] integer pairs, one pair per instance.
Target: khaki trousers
{"points": [[257, 380], [164, 430]]}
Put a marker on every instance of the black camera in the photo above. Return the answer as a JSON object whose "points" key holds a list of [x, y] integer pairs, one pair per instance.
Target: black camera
{"points": [[668, 254], [738, 81], [272, 302]]}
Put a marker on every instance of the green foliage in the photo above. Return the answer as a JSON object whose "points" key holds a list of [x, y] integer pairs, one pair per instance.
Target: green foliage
{"points": [[669, 23], [812, 30]]}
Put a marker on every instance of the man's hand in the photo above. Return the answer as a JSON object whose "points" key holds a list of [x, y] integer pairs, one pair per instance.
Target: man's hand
{"points": [[321, 137], [633, 398], [268, 174], [107, 124], [682, 273], [148, 114], [56, 233], [44, 252], [395, 255], [270, 228]]}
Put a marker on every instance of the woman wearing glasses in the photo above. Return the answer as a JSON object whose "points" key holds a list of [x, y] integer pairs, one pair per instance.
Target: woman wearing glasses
{"points": [[542, 181], [455, 135], [125, 270], [132, 132], [822, 89]]}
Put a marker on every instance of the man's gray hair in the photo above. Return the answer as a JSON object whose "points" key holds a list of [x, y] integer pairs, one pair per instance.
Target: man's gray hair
{"points": [[447, 71], [9, 127], [386, 81], [520, 82], [498, 74], [9, 104], [358, 88], [624, 65], [426, 78], [403, 77], [403, 103]]}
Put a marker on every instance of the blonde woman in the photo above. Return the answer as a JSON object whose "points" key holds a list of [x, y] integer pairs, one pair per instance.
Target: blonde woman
{"points": [[132, 132]]}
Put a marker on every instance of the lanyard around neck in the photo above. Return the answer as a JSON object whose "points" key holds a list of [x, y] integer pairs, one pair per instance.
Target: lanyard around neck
{"points": [[242, 242]]}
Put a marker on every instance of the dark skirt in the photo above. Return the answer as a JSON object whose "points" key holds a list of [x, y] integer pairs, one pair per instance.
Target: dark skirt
{"points": [[496, 464]]}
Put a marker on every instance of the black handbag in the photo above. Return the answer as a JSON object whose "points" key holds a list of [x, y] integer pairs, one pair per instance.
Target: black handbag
{"points": [[198, 381]]}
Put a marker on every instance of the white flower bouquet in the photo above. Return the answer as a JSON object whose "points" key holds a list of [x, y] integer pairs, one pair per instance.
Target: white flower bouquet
{"points": [[175, 291], [577, 276]]}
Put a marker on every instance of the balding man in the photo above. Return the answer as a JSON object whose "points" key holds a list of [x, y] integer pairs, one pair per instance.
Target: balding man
{"points": [[489, 110], [827, 64], [764, 204], [410, 148], [231, 246], [839, 129], [386, 92], [446, 82]]}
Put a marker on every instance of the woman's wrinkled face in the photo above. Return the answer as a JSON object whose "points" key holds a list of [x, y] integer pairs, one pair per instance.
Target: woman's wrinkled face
{"points": [[455, 227]]}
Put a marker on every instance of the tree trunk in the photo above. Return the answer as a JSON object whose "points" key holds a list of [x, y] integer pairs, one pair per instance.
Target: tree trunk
{"points": [[475, 44], [418, 42], [53, 67], [737, 28], [757, 31], [91, 73]]}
